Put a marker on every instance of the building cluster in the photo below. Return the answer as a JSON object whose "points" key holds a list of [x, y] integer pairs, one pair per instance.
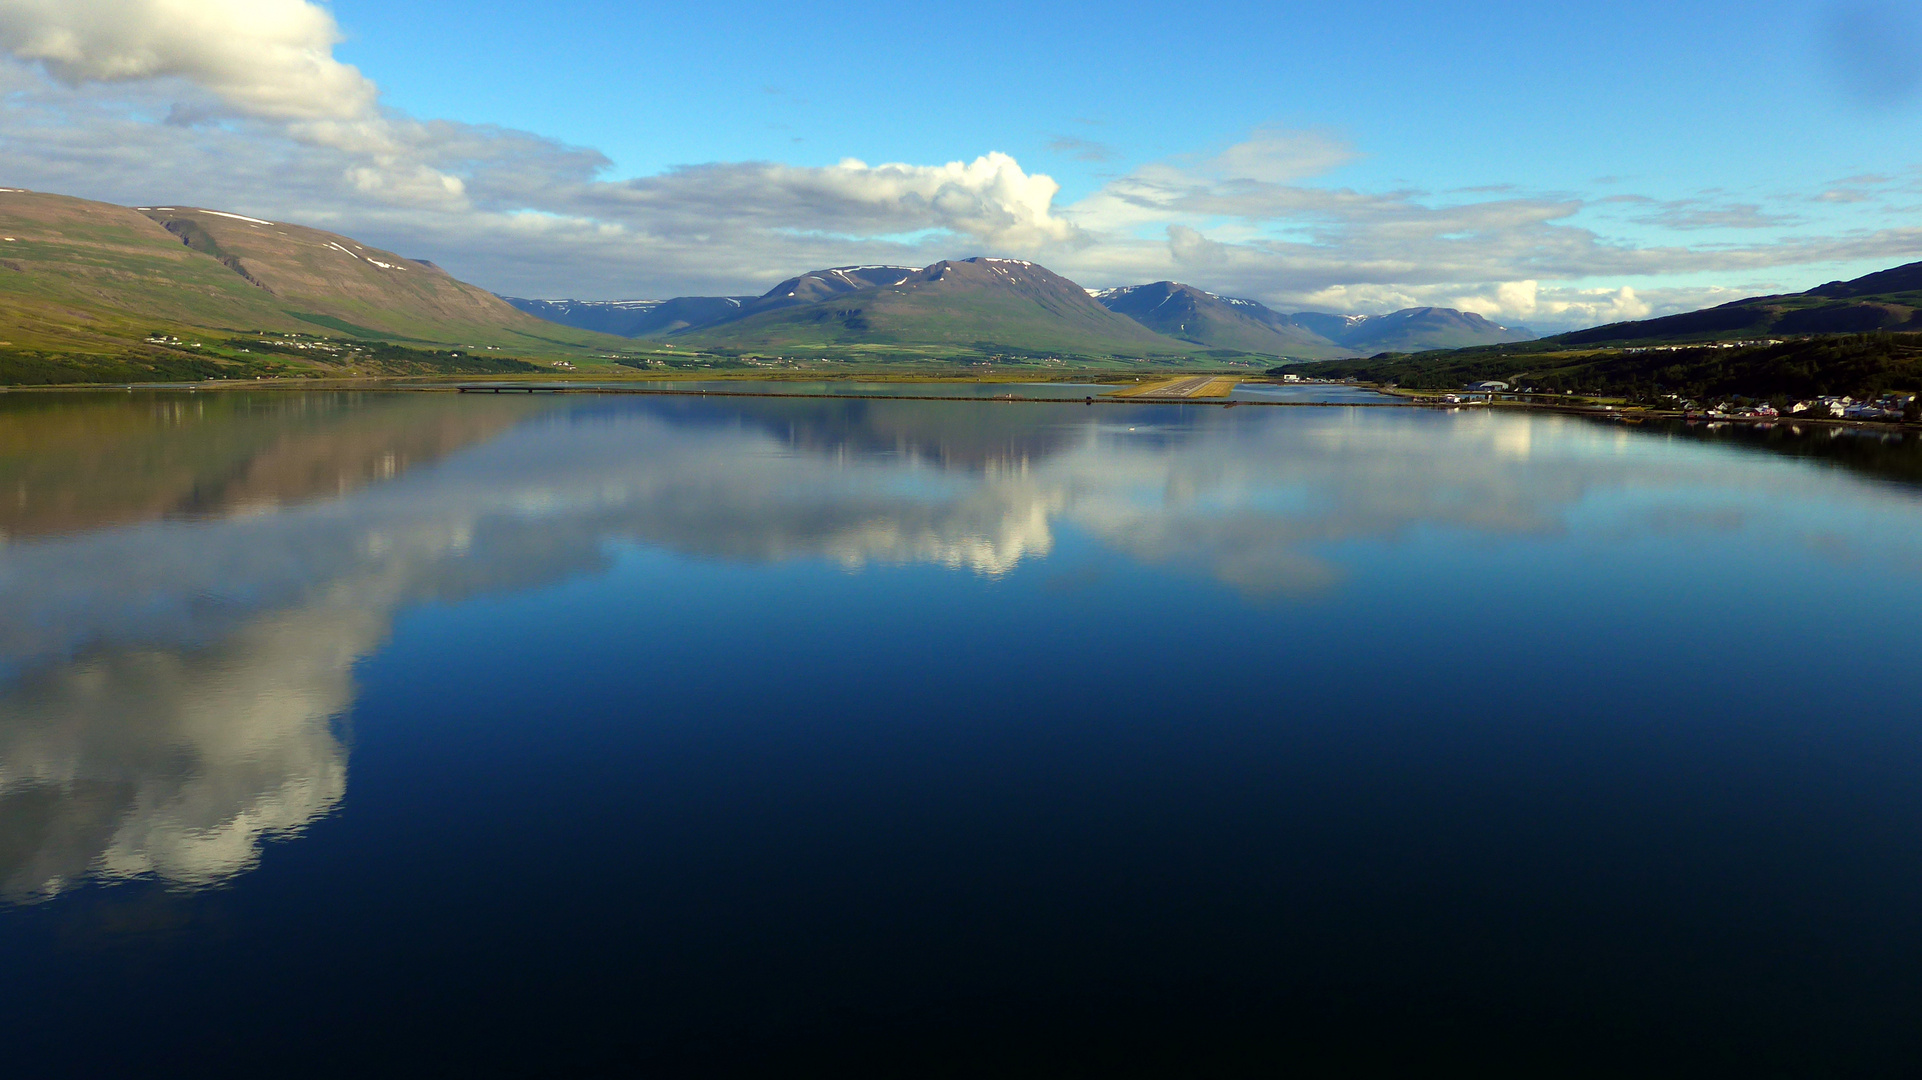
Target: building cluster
{"points": [[1758, 411], [1886, 407], [1750, 344]]}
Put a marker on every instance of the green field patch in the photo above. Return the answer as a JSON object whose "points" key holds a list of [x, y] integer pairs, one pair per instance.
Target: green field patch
{"points": [[346, 327]]}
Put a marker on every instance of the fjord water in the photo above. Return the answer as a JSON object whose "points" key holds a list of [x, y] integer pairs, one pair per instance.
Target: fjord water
{"points": [[696, 736]]}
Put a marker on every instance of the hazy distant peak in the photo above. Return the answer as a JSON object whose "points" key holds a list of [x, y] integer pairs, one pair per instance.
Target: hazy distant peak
{"points": [[1412, 329], [569, 303]]}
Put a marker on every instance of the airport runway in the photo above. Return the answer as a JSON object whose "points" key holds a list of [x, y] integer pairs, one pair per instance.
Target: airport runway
{"points": [[1194, 386]]}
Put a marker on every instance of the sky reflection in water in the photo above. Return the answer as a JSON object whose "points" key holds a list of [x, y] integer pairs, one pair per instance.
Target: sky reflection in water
{"points": [[1109, 618]]}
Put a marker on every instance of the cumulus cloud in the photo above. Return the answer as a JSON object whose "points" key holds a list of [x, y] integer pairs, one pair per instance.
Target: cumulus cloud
{"points": [[1522, 301], [267, 58], [990, 199]]}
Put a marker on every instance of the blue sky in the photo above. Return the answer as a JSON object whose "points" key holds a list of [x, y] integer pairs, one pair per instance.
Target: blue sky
{"points": [[1530, 161]]}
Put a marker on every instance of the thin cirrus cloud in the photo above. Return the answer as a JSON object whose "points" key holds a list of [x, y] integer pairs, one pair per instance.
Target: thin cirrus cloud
{"points": [[242, 104], [1081, 149]]}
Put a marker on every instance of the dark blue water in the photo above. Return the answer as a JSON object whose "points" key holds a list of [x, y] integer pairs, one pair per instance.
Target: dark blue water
{"points": [[695, 737]]}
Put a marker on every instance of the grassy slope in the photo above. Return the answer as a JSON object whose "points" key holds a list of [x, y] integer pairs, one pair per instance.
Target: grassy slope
{"points": [[84, 275], [324, 279], [83, 283]]}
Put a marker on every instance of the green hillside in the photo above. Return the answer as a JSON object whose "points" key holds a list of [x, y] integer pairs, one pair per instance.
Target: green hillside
{"points": [[1887, 300], [1798, 345], [90, 291]]}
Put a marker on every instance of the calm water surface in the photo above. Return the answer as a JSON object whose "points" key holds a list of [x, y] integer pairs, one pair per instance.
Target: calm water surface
{"points": [[1302, 393], [691, 736]]}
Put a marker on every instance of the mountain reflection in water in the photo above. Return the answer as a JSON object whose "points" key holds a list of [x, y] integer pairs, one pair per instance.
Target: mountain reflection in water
{"points": [[188, 582]]}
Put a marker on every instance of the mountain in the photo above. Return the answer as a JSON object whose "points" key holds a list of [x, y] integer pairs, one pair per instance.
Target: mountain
{"points": [[908, 315], [1884, 300], [1332, 327], [658, 318], [1222, 322], [1188, 313], [983, 306], [634, 318], [82, 279], [1412, 330], [818, 285]]}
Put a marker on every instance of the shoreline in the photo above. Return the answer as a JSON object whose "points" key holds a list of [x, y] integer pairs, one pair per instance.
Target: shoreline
{"points": [[1113, 392]]}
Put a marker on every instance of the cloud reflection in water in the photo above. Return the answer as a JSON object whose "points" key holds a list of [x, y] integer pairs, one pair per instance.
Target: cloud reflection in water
{"points": [[172, 687]]}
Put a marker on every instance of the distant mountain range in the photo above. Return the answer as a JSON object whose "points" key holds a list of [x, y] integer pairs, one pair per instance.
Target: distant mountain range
{"points": [[1412, 330], [978, 306], [1179, 317], [628, 318], [658, 318], [1186, 312]]}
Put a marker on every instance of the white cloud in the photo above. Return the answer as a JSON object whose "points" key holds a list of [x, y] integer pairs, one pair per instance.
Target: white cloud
{"points": [[1522, 301], [269, 60], [990, 199], [266, 58], [1274, 155]]}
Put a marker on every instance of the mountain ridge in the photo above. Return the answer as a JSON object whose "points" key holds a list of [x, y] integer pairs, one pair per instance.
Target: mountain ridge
{"points": [[1214, 321], [92, 290], [982, 305], [1167, 309], [1856, 337], [1888, 300], [1421, 328]]}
